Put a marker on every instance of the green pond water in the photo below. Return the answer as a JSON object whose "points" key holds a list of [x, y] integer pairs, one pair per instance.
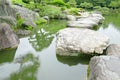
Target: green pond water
{"points": [[36, 59]]}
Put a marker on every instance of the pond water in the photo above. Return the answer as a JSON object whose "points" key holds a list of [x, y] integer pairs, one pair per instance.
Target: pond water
{"points": [[36, 59]]}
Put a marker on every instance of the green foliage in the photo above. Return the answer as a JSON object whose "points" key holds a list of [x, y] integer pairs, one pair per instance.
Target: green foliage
{"points": [[58, 2], [37, 1], [103, 10], [40, 21], [20, 21], [51, 11], [97, 7], [115, 4], [101, 3], [31, 6], [66, 1], [26, 1], [86, 5], [28, 28], [73, 11], [18, 2], [72, 3]]}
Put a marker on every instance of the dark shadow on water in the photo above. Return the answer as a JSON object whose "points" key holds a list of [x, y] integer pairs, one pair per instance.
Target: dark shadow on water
{"points": [[7, 55], [74, 60]]}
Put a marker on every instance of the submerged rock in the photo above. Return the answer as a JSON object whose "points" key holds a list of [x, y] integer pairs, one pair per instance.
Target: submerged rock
{"points": [[71, 41], [105, 68], [28, 15], [7, 37], [113, 49]]}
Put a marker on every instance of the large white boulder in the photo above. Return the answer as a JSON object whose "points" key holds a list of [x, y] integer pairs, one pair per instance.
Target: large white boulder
{"points": [[105, 68], [71, 41]]}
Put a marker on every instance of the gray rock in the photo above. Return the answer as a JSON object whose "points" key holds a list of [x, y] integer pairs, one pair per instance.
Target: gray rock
{"points": [[46, 18], [83, 23], [8, 19], [99, 16], [71, 18], [86, 20], [6, 8], [7, 37], [76, 40], [7, 13], [28, 15], [23, 32], [113, 49], [105, 68]]}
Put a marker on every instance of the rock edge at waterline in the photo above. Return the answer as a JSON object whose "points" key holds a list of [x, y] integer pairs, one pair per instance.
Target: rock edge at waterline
{"points": [[7, 37]]}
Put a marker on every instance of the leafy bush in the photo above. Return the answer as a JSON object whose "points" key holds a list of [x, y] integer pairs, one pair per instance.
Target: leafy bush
{"points": [[73, 11], [31, 6], [114, 4], [72, 3], [86, 5], [58, 2], [40, 21], [26, 1], [97, 7], [20, 21], [67, 5], [51, 11], [103, 10]]}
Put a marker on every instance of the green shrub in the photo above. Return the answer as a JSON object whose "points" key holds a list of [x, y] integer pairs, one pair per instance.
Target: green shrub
{"points": [[67, 5], [20, 21], [26, 1], [72, 3], [63, 8], [103, 10], [97, 7], [51, 11], [31, 6], [40, 21], [58, 2], [73, 11], [86, 5]]}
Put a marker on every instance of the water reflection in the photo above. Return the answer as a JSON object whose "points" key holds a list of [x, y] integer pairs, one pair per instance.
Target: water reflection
{"points": [[28, 68], [7, 55], [40, 39], [74, 60], [112, 19], [112, 32]]}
